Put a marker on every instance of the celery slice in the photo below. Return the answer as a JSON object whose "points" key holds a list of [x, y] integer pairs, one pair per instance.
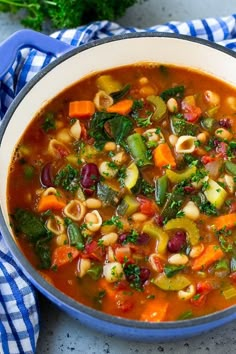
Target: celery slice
{"points": [[176, 177], [186, 224], [156, 232], [229, 292]]}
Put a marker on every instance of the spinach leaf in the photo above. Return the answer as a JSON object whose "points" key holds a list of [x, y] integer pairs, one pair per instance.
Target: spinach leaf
{"points": [[42, 249], [177, 91], [109, 127], [171, 269], [120, 94], [29, 224]]}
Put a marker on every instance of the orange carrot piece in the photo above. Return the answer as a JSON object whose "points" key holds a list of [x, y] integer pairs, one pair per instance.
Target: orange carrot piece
{"points": [[162, 156], [122, 107], [211, 254], [225, 221], [81, 109], [155, 311], [50, 201], [64, 254]]}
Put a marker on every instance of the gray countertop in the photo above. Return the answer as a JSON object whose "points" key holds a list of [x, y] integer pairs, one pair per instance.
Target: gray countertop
{"points": [[60, 333]]}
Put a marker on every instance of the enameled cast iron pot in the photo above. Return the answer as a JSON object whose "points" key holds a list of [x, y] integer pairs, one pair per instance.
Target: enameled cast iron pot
{"points": [[72, 65]]}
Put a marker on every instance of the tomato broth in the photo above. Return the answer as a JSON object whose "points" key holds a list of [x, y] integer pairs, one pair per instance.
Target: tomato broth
{"points": [[121, 193]]}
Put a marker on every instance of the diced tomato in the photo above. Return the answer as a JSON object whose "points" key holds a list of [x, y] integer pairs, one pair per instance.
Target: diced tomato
{"points": [[93, 251], [232, 208], [191, 112], [198, 299], [221, 149], [206, 159], [233, 277], [62, 151], [84, 134], [158, 263], [204, 287], [124, 302], [147, 206]]}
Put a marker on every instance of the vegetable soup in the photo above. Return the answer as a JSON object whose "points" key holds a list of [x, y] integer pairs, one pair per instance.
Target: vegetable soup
{"points": [[121, 193]]}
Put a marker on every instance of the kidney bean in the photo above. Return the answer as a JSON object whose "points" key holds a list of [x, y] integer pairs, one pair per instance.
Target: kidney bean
{"points": [[123, 236], [46, 178], [89, 177], [225, 123], [177, 242], [143, 238], [144, 274], [159, 220]]}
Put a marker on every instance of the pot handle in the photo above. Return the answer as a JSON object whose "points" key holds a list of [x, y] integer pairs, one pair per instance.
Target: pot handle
{"points": [[32, 39]]}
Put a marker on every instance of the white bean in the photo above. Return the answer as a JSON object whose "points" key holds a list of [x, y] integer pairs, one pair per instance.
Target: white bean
{"points": [[93, 203], [173, 139], [75, 130], [139, 217], [178, 259], [109, 239], [229, 181], [110, 146], [196, 250], [172, 105], [212, 98]]}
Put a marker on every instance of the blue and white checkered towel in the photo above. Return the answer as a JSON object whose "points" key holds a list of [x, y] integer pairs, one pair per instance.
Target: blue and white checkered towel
{"points": [[19, 322]]}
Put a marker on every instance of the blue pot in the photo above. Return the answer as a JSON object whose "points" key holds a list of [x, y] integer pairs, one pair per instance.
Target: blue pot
{"points": [[71, 65]]}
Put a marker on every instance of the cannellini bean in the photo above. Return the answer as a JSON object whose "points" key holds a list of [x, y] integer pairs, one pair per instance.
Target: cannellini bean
{"points": [[223, 134], [147, 90], [75, 129], [61, 239], [113, 271], [173, 139], [83, 265], [202, 137], [188, 293], [191, 211], [178, 259], [75, 210], [185, 144], [119, 158], [102, 100], [139, 217], [106, 171], [229, 181], [154, 261], [231, 102], [196, 250], [212, 98], [172, 105], [93, 220], [93, 203], [55, 225], [110, 146], [109, 239], [143, 80]]}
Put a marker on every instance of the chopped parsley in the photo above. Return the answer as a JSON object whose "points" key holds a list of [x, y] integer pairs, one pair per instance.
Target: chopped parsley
{"points": [[115, 220], [67, 178], [49, 122]]}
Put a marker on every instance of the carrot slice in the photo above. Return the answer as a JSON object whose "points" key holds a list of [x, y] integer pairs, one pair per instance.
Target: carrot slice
{"points": [[50, 201], [122, 107], [81, 109], [155, 311], [162, 156], [64, 254], [225, 221], [211, 254]]}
